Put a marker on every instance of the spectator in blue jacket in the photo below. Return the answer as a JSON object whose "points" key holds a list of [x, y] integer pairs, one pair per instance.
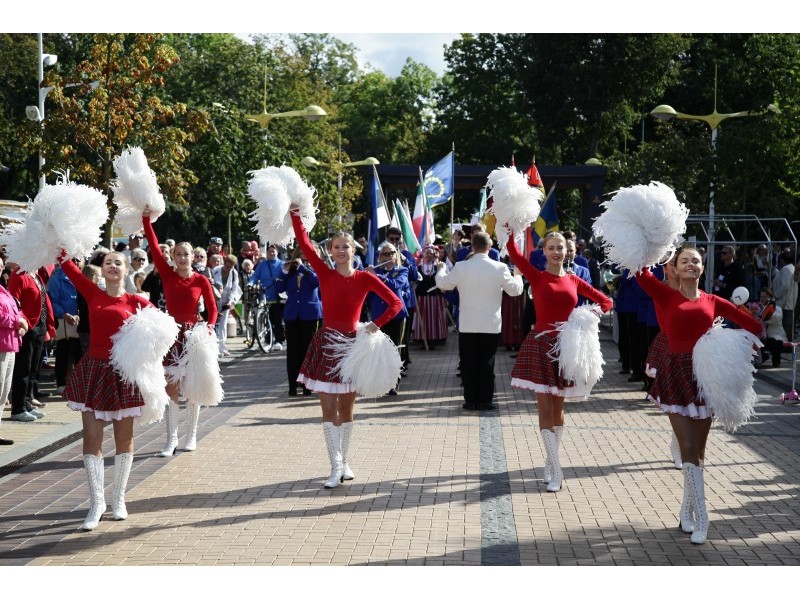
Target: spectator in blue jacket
{"points": [[64, 298], [266, 273], [302, 314], [394, 237], [646, 327], [625, 306], [395, 277], [571, 266]]}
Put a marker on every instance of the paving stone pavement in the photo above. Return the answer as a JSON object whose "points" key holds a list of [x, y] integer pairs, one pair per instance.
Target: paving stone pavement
{"points": [[434, 485]]}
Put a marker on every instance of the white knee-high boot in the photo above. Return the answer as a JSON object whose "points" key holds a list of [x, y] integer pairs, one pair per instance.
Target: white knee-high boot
{"points": [[551, 445], [700, 533], [675, 449], [122, 469], [95, 472], [687, 505], [345, 433], [171, 417], [193, 420], [334, 444], [548, 466]]}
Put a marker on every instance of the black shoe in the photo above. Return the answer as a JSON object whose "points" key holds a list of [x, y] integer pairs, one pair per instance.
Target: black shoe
{"points": [[306, 392], [488, 407], [633, 378], [393, 392], [293, 391], [624, 371], [466, 406], [5, 442]]}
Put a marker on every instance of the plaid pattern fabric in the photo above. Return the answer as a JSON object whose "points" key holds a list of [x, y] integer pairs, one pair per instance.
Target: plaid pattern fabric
{"points": [[674, 389], [535, 366], [176, 350], [318, 364], [95, 383], [655, 354]]}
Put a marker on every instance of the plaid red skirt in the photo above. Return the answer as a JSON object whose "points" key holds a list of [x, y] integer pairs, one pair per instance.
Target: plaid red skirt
{"points": [[655, 354], [513, 315], [174, 353], [433, 313], [674, 389], [535, 370], [95, 385], [316, 371]]}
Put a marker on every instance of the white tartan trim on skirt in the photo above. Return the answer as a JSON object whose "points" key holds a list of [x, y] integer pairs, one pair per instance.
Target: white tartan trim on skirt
{"points": [[107, 415], [326, 387], [570, 392], [693, 411]]}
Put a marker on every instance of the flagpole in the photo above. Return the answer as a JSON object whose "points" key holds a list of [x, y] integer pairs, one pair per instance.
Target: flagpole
{"points": [[453, 197]]}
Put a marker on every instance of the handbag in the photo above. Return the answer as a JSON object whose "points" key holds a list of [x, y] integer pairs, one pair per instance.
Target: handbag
{"points": [[65, 331]]}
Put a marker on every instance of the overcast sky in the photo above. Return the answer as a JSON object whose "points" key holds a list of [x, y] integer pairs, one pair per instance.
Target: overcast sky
{"points": [[387, 52]]}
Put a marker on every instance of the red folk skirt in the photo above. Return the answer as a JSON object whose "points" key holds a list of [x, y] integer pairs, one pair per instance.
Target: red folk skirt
{"points": [[655, 354], [535, 370], [94, 386], [674, 389], [316, 372], [513, 314], [432, 313]]}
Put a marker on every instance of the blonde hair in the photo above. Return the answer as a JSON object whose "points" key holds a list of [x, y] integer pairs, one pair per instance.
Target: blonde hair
{"points": [[391, 246], [555, 234], [341, 234]]}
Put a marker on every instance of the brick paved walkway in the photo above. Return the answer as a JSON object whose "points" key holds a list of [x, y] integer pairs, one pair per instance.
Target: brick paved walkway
{"points": [[434, 485]]}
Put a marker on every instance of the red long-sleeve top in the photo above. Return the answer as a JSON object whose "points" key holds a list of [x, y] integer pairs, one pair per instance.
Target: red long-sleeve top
{"points": [[554, 295], [342, 297], [684, 320], [106, 313], [182, 294], [23, 287]]}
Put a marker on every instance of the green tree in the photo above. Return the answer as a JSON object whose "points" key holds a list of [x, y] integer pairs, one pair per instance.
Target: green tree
{"points": [[85, 130]]}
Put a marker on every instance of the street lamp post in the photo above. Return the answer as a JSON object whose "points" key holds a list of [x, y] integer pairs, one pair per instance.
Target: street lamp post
{"points": [[312, 112], [36, 113], [312, 162], [664, 112]]}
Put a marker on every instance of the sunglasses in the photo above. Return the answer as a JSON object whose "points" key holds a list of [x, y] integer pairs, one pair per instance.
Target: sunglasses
{"points": [[138, 258], [390, 253], [393, 240]]}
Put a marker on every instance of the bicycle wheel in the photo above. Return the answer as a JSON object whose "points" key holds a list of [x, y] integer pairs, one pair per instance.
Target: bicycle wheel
{"points": [[264, 330], [250, 327]]}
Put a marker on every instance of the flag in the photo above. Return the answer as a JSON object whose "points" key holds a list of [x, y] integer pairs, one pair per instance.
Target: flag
{"points": [[534, 179], [406, 228], [482, 207], [548, 218], [438, 181], [423, 217], [488, 219], [379, 217]]}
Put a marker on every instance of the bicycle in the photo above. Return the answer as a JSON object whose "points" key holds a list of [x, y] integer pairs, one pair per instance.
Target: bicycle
{"points": [[255, 321]]}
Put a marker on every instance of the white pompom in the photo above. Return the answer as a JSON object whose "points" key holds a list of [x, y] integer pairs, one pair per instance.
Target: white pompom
{"points": [[65, 215], [515, 204], [137, 351], [196, 371], [277, 190], [641, 225], [577, 347], [722, 361], [135, 189], [370, 362]]}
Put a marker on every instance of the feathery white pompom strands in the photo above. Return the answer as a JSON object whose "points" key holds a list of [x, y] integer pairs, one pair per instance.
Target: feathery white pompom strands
{"points": [[369, 362], [65, 215], [641, 225], [197, 369], [515, 204], [577, 347], [723, 368], [278, 190], [137, 351], [135, 189]]}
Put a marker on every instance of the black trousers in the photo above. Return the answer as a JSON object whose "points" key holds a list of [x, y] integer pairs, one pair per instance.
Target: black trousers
{"points": [[406, 340], [298, 339], [477, 351], [626, 321], [276, 318], [68, 352], [24, 384]]}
